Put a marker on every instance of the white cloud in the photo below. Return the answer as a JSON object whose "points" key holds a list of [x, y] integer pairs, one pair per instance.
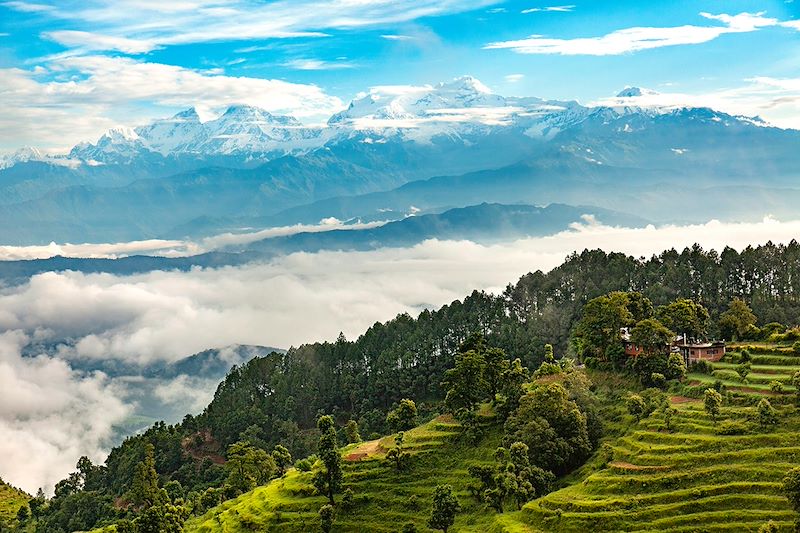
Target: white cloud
{"points": [[92, 41], [514, 78], [317, 64], [170, 248], [28, 7], [71, 99], [638, 38], [152, 24], [392, 37], [549, 9], [51, 415]]}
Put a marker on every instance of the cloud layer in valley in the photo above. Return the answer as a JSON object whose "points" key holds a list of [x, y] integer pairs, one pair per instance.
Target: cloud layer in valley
{"points": [[50, 414]]}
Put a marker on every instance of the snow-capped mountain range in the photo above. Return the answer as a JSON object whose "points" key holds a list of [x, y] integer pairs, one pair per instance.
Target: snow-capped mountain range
{"points": [[461, 108]]}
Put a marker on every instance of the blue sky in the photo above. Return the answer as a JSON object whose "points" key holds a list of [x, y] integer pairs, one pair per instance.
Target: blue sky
{"points": [[94, 64]]}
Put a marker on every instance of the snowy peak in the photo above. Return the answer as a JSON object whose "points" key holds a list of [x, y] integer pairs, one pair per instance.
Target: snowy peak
{"points": [[634, 92], [403, 103], [241, 129], [23, 155]]}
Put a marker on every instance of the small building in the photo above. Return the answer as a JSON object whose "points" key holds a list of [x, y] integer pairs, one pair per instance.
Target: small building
{"points": [[693, 351]]}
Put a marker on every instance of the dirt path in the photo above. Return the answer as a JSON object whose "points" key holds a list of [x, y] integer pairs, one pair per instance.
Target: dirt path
{"points": [[682, 399], [365, 450]]}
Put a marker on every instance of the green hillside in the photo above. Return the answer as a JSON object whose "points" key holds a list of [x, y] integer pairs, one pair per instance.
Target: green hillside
{"points": [[11, 499], [694, 477], [384, 499], [697, 476]]}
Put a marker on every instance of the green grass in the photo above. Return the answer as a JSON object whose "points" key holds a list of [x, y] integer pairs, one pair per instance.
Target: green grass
{"points": [[11, 500], [382, 496]]}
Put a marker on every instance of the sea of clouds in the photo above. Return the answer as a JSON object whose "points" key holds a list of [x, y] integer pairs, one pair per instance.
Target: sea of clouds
{"points": [[51, 413]]}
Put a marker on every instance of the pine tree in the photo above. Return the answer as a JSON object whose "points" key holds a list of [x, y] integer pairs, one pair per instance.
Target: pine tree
{"points": [[329, 481]]}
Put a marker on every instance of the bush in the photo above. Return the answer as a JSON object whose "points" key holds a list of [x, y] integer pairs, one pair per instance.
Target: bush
{"points": [[776, 386], [658, 380], [796, 347], [306, 464], [702, 367], [732, 427]]}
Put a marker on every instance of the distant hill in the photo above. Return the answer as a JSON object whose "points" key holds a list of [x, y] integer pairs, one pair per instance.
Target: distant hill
{"points": [[484, 223]]}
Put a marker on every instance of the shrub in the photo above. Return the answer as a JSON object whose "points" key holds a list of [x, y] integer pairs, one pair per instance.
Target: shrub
{"points": [[796, 347], [636, 406], [658, 380], [776, 386], [347, 499], [305, 465], [732, 427], [702, 367]]}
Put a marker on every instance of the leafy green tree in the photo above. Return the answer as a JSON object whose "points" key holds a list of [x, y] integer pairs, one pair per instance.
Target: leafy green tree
{"points": [[652, 336], [743, 369], [737, 320], [397, 456], [636, 406], [767, 415], [658, 380], [712, 402], [529, 480], [144, 491], [513, 379], [23, 513], [676, 367], [552, 426], [465, 383], [348, 499], [496, 363], [326, 517], [248, 466], [444, 510], [745, 357], [282, 458], [669, 413], [404, 416], [684, 317], [162, 518], [351, 430], [329, 480], [791, 488], [37, 502], [598, 329], [796, 385]]}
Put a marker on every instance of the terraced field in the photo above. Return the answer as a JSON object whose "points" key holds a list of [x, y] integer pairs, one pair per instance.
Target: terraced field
{"points": [[384, 500], [691, 478]]}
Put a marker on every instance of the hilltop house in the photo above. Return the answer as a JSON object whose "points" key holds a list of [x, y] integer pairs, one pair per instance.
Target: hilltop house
{"points": [[692, 350]]}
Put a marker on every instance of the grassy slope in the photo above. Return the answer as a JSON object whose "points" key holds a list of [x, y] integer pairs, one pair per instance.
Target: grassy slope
{"points": [[382, 496], [11, 500], [685, 480], [689, 479]]}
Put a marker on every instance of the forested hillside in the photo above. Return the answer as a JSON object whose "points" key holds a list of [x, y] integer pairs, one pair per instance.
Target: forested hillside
{"points": [[459, 359]]}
